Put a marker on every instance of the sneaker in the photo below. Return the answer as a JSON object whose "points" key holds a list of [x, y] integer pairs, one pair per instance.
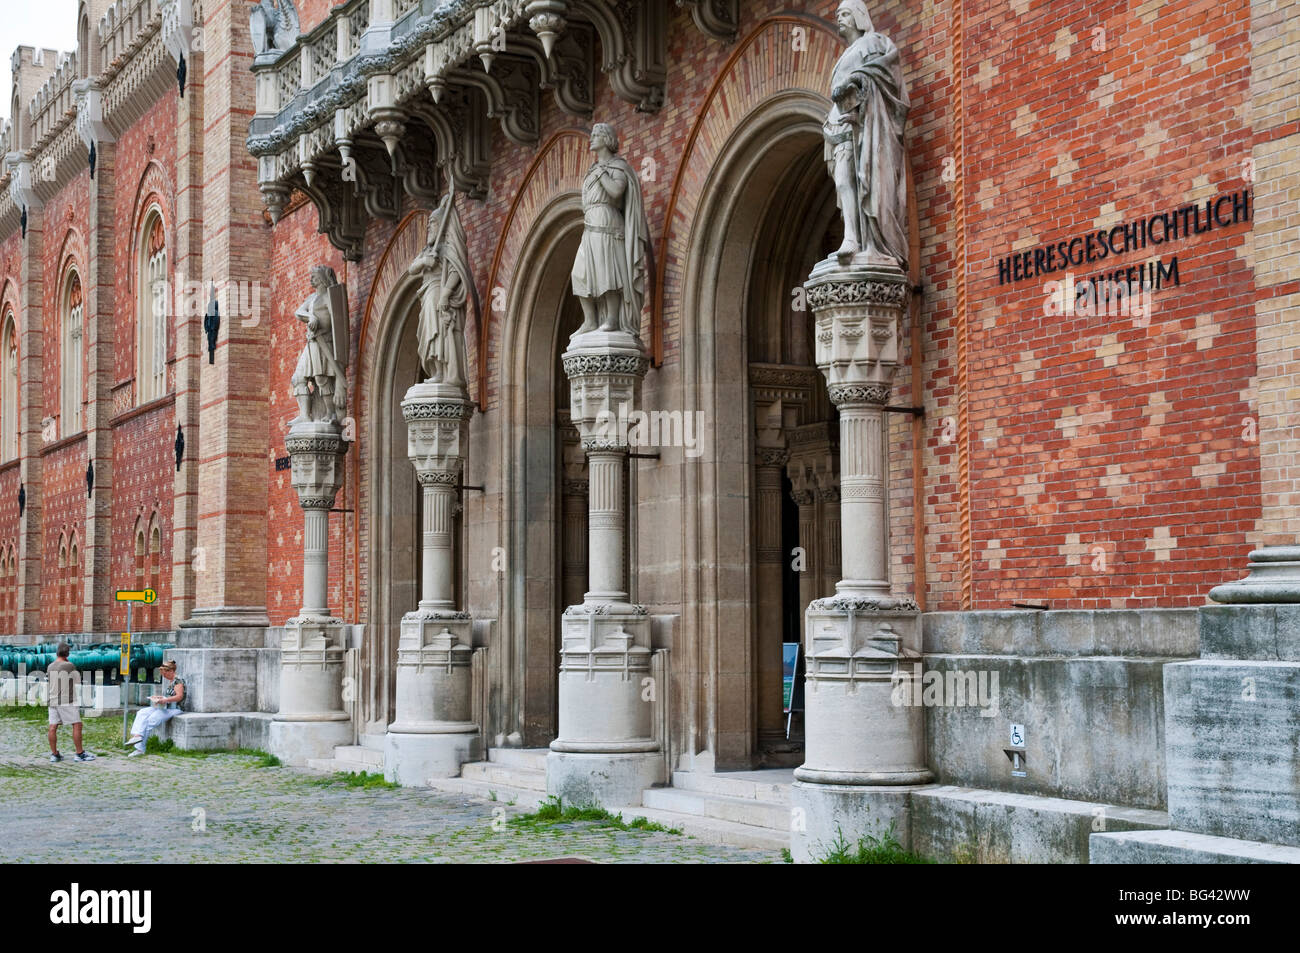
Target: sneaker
{"points": [[135, 740], [84, 756], [136, 754], [56, 758]]}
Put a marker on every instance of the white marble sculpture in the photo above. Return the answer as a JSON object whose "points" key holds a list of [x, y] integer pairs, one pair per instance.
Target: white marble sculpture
{"points": [[274, 25], [613, 263], [444, 294], [864, 139], [320, 380]]}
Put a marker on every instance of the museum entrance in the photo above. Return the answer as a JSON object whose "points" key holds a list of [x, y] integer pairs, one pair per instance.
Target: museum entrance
{"points": [[794, 503], [546, 474], [397, 514]]}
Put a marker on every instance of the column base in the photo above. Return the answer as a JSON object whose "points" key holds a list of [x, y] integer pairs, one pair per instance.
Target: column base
{"points": [[227, 617], [412, 758], [821, 815], [1272, 575], [864, 721], [297, 742], [602, 779]]}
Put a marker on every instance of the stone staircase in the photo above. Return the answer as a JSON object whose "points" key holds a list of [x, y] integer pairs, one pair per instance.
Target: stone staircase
{"points": [[741, 808], [738, 808], [367, 757], [509, 775]]}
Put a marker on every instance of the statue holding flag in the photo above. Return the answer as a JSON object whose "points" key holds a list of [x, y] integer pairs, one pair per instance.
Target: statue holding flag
{"points": [[444, 294]]}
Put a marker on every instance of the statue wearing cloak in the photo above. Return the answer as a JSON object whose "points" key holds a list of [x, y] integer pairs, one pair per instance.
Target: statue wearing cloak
{"points": [[319, 381], [864, 138], [444, 268], [611, 269]]}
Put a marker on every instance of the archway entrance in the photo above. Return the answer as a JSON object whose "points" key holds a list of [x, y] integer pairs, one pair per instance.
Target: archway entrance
{"points": [[396, 512], [545, 473], [794, 468]]}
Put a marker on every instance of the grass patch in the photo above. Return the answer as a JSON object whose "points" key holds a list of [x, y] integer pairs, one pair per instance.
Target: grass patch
{"points": [[156, 746], [871, 849], [552, 812], [354, 779]]}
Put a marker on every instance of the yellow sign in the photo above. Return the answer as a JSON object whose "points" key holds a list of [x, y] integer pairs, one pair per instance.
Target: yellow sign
{"points": [[126, 652], [147, 596]]}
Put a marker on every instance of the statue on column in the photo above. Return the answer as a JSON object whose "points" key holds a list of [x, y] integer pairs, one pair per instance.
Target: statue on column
{"points": [[864, 139], [320, 379], [614, 262], [444, 295]]}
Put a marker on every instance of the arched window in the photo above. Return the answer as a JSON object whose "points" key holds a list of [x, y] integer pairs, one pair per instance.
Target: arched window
{"points": [[151, 312], [64, 598], [74, 587], [9, 390], [83, 44], [71, 371], [155, 557]]}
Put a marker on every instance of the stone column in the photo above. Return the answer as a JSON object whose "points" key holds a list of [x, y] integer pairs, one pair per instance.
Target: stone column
{"points": [[604, 753], [861, 641], [434, 733], [768, 467], [573, 512], [312, 720]]}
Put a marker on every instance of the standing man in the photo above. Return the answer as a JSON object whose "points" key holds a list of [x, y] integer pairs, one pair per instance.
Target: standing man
{"points": [[64, 709]]}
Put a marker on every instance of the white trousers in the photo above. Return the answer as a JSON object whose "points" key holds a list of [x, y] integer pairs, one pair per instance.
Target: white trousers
{"points": [[148, 720]]}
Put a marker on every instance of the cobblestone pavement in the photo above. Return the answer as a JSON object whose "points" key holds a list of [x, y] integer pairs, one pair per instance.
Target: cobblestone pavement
{"points": [[224, 808]]}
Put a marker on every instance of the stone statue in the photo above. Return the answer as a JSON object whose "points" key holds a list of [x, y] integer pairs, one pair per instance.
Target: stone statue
{"points": [[614, 261], [864, 139], [319, 381], [274, 25], [444, 294]]}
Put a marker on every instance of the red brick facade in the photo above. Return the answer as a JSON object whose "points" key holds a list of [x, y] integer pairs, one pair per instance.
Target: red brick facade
{"points": [[1112, 462]]}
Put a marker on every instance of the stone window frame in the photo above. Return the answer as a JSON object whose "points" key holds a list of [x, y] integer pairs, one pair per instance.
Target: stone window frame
{"points": [[72, 344], [151, 314], [9, 389]]}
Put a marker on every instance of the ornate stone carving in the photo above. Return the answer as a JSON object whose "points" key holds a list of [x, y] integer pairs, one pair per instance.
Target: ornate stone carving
{"points": [[274, 26], [719, 19], [862, 604], [864, 140], [319, 381], [841, 394], [888, 293], [587, 364]]}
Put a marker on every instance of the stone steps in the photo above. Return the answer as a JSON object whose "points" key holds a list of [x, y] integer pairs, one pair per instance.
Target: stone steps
{"points": [[720, 807], [350, 758], [709, 830], [770, 786], [509, 775]]}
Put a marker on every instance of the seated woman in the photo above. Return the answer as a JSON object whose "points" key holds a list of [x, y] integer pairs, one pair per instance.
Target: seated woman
{"points": [[163, 708]]}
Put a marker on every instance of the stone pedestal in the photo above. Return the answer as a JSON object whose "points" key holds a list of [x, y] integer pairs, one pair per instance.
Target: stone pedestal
{"points": [[433, 733], [860, 643], [604, 753], [312, 720]]}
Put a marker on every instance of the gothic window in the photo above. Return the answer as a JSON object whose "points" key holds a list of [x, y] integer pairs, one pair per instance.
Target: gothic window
{"points": [[72, 370], [151, 312], [9, 390]]}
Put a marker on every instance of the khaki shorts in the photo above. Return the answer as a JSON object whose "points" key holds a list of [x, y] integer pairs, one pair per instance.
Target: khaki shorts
{"points": [[65, 715]]}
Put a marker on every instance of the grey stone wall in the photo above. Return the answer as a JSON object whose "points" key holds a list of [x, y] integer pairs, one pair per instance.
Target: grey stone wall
{"points": [[1088, 687]]}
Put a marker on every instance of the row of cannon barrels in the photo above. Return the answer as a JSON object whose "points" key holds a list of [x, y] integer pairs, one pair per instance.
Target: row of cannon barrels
{"points": [[96, 657]]}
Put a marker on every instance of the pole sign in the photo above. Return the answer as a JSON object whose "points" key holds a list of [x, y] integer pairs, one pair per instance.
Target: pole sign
{"points": [[130, 597], [147, 596]]}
